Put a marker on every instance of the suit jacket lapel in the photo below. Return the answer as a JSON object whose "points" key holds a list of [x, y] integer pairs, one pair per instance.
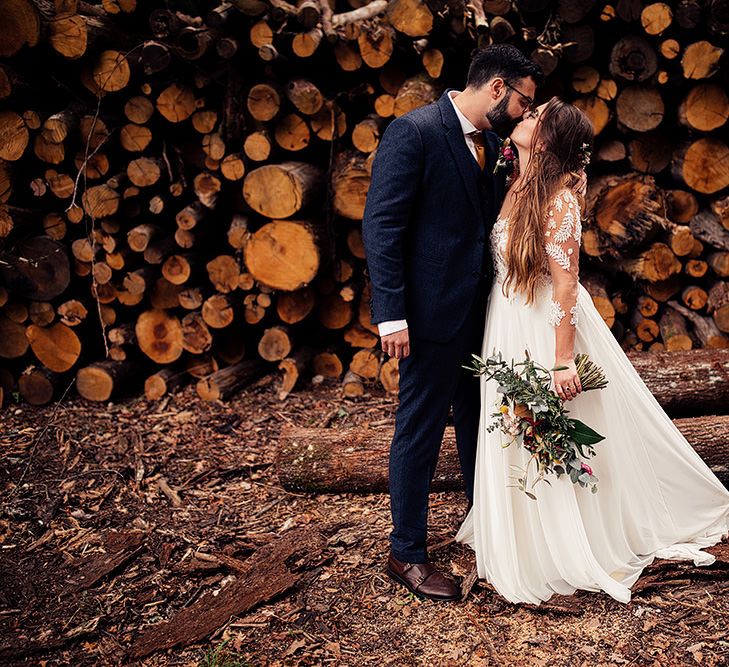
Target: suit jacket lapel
{"points": [[466, 165]]}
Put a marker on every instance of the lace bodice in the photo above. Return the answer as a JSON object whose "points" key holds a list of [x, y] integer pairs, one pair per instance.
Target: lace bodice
{"points": [[560, 267]]}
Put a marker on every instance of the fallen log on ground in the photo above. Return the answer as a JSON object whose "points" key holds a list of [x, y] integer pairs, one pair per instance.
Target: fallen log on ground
{"points": [[120, 548], [321, 460], [271, 570], [686, 382]]}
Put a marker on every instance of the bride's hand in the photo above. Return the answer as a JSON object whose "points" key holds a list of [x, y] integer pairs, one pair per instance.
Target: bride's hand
{"points": [[567, 381]]}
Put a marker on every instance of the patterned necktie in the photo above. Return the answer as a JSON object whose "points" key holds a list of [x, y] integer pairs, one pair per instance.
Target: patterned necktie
{"points": [[480, 147]]}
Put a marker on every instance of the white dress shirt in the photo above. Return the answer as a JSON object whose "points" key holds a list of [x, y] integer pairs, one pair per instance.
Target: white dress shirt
{"points": [[391, 326]]}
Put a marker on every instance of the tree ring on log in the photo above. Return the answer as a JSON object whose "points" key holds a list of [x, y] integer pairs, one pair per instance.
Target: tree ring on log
{"points": [[283, 254]]}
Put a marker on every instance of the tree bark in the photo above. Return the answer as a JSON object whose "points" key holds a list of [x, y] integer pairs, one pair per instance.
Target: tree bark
{"points": [[355, 460]]}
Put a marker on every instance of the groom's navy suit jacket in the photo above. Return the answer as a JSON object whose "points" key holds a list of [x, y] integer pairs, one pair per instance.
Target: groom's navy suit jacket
{"points": [[427, 220]]}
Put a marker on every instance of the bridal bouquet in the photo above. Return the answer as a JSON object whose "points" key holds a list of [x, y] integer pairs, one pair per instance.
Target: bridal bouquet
{"points": [[530, 410]]}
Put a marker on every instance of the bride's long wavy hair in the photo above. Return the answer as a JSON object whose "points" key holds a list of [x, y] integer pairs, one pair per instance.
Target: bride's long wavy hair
{"points": [[562, 129]]}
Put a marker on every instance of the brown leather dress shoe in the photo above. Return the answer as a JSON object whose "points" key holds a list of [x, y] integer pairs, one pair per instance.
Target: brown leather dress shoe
{"points": [[423, 579]]}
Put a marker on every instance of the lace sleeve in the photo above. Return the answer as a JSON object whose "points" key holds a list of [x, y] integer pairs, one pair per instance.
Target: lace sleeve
{"points": [[562, 246]]}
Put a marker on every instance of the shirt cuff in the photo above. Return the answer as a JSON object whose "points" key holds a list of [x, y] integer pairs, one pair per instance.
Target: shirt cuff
{"points": [[391, 326]]}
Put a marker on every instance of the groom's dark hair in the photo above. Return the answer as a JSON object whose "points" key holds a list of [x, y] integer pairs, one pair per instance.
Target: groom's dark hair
{"points": [[502, 60]]}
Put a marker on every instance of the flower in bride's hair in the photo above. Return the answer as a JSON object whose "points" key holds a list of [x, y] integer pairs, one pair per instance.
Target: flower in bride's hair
{"points": [[585, 154]]}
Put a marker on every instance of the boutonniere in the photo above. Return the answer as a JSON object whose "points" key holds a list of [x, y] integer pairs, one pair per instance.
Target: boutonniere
{"points": [[506, 155]]}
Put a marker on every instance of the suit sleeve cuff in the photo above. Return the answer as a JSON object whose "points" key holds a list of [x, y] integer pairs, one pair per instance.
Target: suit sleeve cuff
{"points": [[391, 326]]}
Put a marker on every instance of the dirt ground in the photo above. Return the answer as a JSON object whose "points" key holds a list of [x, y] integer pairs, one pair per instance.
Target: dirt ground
{"points": [[110, 514]]}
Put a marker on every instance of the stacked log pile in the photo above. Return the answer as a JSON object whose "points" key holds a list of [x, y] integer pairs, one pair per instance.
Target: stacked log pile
{"points": [[182, 184]]}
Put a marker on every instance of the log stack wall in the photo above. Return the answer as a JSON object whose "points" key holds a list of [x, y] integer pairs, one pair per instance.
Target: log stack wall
{"points": [[182, 183]]}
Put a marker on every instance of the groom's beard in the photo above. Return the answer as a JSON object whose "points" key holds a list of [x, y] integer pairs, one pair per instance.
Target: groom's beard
{"points": [[501, 122]]}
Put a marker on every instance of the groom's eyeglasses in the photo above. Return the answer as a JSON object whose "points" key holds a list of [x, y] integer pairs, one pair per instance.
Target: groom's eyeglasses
{"points": [[529, 106]]}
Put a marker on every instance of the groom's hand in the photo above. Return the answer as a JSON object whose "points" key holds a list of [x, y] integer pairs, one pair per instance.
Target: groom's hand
{"points": [[397, 344]]}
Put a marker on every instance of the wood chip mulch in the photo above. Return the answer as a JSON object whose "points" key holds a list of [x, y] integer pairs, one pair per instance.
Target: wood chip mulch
{"points": [[158, 534]]}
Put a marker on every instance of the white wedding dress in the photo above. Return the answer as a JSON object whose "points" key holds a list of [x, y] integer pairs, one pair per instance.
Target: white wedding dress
{"points": [[656, 497]]}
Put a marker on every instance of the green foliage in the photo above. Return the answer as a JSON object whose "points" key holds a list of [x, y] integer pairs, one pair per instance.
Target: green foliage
{"points": [[220, 656], [531, 413]]}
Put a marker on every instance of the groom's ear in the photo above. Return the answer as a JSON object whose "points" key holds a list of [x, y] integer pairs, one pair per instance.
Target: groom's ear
{"points": [[496, 86]]}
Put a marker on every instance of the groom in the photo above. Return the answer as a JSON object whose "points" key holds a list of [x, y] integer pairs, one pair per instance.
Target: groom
{"points": [[430, 207]]}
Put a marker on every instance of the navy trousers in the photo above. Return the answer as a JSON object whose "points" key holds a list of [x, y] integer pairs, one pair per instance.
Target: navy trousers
{"points": [[431, 381]]}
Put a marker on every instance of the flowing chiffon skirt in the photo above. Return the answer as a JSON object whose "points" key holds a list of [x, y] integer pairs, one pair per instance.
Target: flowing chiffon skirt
{"points": [[656, 497]]}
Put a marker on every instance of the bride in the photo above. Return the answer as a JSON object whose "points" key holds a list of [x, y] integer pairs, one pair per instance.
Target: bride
{"points": [[656, 497]]}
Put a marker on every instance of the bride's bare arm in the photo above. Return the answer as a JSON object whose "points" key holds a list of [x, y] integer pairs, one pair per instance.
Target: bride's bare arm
{"points": [[562, 245]]}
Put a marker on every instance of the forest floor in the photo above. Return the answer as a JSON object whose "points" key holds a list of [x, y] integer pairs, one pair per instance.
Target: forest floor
{"points": [[115, 517]]}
